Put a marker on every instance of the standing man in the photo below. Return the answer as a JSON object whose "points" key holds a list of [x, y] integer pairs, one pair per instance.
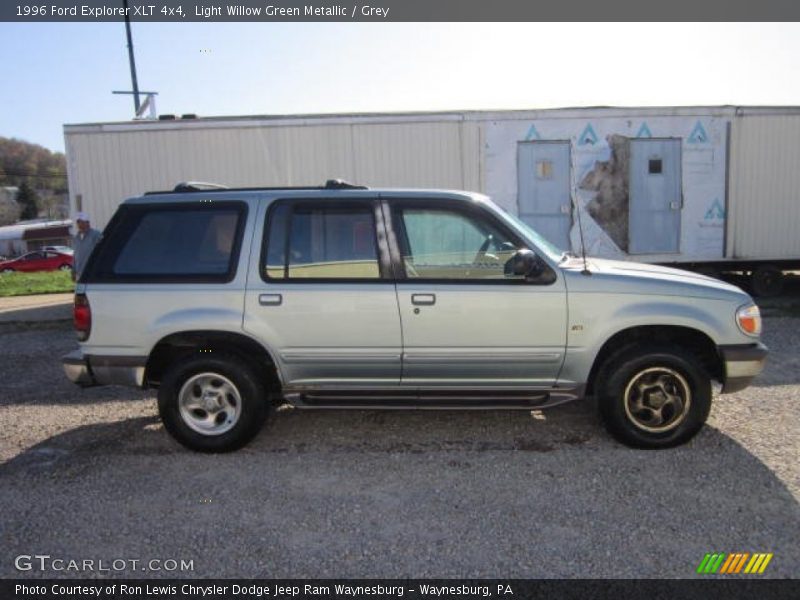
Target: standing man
{"points": [[84, 242]]}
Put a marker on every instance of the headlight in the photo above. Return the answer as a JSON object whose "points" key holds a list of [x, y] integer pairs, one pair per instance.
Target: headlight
{"points": [[748, 318]]}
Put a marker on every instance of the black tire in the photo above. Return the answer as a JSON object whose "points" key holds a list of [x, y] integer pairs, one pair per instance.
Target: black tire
{"points": [[767, 281], [65, 267], [7, 270], [666, 373], [230, 370]]}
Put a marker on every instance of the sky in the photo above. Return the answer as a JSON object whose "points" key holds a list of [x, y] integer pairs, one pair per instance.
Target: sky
{"points": [[57, 73]]}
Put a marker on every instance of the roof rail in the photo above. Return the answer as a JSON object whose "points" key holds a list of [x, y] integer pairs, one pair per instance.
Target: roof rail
{"points": [[198, 186], [341, 184]]}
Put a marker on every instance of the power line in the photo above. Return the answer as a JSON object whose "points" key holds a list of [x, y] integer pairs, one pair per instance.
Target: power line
{"points": [[29, 174]]}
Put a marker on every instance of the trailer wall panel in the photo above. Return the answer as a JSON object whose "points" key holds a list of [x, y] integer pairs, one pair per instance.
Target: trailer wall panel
{"points": [[106, 166], [764, 197]]}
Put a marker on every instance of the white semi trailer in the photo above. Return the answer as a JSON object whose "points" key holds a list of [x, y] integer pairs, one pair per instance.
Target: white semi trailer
{"points": [[711, 188]]}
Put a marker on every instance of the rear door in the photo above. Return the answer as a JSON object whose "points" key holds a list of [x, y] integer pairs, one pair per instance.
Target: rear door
{"points": [[320, 292]]}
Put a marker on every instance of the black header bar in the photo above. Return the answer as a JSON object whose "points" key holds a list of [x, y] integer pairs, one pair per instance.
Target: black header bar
{"points": [[399, 10], [732, 588]]}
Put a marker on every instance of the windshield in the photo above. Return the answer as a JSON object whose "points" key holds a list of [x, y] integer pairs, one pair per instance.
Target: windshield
{"points": [[552, 251]]}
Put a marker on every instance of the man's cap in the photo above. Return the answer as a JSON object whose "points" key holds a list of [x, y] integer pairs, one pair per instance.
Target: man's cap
{"points": [[82, 216]]}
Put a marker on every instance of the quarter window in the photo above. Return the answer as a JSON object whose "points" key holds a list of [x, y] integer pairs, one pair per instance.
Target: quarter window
{"points": [[316, 242], [180, 243]]}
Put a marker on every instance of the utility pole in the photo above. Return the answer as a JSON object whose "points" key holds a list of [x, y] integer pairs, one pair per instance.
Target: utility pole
{"points": [[131, 59]]}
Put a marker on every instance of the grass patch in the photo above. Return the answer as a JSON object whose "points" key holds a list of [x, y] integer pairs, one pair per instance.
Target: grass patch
{"points": [[44, 282]]}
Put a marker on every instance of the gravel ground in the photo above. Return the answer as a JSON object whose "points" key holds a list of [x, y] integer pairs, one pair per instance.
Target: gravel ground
{"points": [[91, 474]]}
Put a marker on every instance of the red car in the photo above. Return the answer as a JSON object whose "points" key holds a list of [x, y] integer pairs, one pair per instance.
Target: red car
{"points": [[38, 261]]}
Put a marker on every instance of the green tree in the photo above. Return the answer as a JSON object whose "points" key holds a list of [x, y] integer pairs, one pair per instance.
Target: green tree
{"points": [[22, 161], [27, 200]]}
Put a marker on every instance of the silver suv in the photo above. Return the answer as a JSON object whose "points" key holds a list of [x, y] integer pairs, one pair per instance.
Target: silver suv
{"points": [[233, 301]]}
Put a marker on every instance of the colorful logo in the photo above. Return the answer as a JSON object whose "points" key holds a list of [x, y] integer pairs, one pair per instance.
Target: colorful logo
{"points": [[734, 564], [644, 131], [588, 136], [715, 211], [698, 135], [532, 134]]}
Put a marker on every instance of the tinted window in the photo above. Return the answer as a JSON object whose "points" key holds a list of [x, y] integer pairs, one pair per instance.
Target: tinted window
{"points": [[323, 243], [442, 244], [180, 243], [276, 244]]}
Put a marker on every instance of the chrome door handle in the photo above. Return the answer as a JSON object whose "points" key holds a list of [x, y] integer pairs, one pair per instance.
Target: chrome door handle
{"points": [[423, 299], [270, 299]]}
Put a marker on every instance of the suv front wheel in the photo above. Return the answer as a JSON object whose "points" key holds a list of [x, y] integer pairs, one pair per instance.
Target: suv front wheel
{"points": [[653, 396], [212, 403]]}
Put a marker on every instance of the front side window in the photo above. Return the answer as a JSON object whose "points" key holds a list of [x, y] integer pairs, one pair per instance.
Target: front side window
{"points": [[321, 242], [180, 244], [449, 244]]}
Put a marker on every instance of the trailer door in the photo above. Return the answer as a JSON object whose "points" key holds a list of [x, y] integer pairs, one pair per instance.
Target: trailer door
{"points": [[543, 197], [654, 215]]}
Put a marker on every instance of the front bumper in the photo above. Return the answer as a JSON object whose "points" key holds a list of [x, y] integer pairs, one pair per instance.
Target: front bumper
{"points": [[742, 363], [90, 370]]}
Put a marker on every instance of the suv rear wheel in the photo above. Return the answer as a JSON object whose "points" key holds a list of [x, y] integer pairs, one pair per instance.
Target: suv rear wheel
{"points": [[653, 396], [212, 403]]}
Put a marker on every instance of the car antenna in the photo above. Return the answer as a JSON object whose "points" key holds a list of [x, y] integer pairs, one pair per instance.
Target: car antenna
{"points": [[586, 270]]}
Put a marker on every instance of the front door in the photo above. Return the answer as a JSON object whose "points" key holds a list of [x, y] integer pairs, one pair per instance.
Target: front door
{"points": [[654, 216], [465, 321], [543, 196], [321, 295]]}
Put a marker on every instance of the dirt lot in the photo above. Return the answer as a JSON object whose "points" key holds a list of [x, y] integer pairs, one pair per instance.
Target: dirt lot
{"points": [[91, 474]]}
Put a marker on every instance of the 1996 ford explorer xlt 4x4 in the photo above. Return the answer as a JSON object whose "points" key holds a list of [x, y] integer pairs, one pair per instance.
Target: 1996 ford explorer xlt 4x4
{"points": [[230, 302]]}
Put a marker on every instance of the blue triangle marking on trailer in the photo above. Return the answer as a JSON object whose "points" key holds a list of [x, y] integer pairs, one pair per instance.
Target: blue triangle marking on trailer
{"points": [[698, 135], [588, 136], [644, 131], [532, 134], [715, 211]]}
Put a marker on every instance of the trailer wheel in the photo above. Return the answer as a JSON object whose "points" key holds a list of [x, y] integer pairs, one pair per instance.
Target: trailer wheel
{"points": [[767, 280]]}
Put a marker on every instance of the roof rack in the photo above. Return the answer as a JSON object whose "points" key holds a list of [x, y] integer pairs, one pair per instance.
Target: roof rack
{"points": [[341, 184], [200, 186]]}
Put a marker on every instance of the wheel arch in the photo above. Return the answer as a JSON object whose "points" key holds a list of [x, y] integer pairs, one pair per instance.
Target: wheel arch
{"points": [[692, 340], [177, 346]]}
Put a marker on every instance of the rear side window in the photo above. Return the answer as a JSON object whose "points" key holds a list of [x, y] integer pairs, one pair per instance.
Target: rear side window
{"points": [[175, 243], [321, 242]]}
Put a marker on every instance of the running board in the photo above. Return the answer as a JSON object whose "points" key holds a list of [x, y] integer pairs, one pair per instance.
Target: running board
{"points": [[428, 399]]}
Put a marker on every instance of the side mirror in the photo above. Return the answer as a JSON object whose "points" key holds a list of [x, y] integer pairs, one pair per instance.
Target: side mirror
{"points": [[524, 263]]}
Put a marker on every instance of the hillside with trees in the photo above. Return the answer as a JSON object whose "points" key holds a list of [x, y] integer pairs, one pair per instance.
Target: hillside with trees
{"points": [[40, 175]]}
